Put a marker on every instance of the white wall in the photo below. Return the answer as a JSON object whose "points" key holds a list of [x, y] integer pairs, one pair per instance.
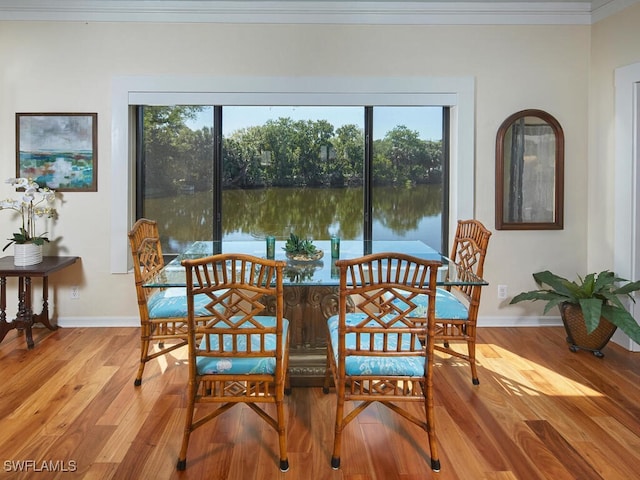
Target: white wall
{"points": [[615, 43], [613, 169], [69, 67]]}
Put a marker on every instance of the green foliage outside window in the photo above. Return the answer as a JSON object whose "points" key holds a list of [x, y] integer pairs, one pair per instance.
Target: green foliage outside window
{"points": [[281, 153]]}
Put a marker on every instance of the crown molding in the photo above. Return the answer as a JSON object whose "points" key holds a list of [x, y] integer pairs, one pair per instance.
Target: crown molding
{"points": [[306, 12], [602, 9]]}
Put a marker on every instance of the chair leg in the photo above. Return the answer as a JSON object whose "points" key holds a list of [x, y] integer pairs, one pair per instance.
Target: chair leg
{"points": [[337, 441], [144, 354], [282, 436], [182, 459], [471, 346], [431, 431]]}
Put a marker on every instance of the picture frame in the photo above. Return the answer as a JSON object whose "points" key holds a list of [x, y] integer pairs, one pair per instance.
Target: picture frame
{"points": [[530, 172], [58, 150]]}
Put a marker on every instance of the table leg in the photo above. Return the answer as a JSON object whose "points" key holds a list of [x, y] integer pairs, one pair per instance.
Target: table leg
{"points": [[25, 313], [19, 320], [43, 316], [4, 326]]}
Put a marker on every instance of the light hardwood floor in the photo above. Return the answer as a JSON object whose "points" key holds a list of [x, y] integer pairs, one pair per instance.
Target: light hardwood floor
{"points": [[540, 412]]}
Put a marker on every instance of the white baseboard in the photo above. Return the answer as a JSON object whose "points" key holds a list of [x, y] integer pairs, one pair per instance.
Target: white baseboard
{"points": [[519, 321], [87, 322], [625, 342], [84, 322]]}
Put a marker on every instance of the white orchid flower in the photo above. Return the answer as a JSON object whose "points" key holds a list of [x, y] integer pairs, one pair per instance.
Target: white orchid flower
{"points": [[10, 204], [29, 206], [20, 182], [27, 199]]}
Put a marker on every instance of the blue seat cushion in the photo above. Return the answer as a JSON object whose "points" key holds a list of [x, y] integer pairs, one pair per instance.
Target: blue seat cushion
{"points": [[236, 366], [356, 365], [172, 302], [447, 305]]}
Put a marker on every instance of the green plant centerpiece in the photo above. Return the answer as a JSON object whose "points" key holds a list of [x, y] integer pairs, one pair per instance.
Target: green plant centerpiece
{"points": [[301, 250], [590, 307]]}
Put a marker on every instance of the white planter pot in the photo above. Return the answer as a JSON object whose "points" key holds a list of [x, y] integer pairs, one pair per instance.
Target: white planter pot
{"points": [[26, 254]]}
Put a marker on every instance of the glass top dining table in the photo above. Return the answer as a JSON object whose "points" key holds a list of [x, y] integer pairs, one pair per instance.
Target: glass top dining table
{"points": [[322, 272]]}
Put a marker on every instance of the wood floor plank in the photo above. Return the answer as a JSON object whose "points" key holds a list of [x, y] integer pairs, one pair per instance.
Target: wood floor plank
{"points": [[158, 464], [459, 453], [146, 442], [408, 444], [543, 455], [382, 460], [607, 466], [540, 412], [572, 460]]}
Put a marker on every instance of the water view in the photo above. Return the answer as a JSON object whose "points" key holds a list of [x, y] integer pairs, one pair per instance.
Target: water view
{"points": [[399, 214]]}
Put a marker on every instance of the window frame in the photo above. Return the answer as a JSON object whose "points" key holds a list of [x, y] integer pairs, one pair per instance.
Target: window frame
{"points": [[458, 93], [217, 160]]}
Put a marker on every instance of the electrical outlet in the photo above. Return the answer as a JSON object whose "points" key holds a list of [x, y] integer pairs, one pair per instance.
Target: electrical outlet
{"points": [[75, 292], [502, 292]]}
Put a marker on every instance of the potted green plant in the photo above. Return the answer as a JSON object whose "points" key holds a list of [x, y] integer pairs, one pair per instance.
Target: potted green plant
{"points": [[301, 250], [590, 307]]}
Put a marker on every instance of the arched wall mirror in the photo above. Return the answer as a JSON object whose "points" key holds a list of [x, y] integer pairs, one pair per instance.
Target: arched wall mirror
{"points": [[529, 172]]}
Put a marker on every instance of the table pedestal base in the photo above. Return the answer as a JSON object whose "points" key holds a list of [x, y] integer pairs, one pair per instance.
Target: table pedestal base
{"points": [[307, 308]]}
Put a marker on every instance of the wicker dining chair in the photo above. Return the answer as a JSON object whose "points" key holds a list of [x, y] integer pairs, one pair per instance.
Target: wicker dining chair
{"points": [[375, 353], [457, 305], [242, 354], [163, 312]]}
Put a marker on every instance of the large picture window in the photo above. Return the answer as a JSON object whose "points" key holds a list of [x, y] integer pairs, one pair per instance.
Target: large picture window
{"points": [[455, 95], [358, 172]]}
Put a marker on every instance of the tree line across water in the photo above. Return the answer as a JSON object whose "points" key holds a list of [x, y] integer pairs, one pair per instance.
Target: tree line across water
{"points": [[280, 153]]}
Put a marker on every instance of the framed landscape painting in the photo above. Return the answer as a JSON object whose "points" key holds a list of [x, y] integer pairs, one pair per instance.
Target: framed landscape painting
{"points": [[58, 150]]}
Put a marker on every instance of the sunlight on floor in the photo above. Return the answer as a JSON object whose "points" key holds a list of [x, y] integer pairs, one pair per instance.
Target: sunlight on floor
{"points": [[176, 357], [518, 375]]}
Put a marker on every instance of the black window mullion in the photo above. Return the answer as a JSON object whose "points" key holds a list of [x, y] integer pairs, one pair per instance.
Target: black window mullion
{"points": [[140, 155], [217, 179], [368, 179], [446, 131]]}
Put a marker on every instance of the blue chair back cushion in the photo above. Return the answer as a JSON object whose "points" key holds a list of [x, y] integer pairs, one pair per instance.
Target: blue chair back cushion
{"points": [[360, 365], [236, 366]]}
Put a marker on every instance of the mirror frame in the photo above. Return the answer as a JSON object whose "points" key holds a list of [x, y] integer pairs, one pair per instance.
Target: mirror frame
{"points": [[557, 223]]}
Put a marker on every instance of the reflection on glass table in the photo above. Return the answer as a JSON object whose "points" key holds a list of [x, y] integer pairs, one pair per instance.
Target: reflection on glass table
{"points": [[321, 272]]}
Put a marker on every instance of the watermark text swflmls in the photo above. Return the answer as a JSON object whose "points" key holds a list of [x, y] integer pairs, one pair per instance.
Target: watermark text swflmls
{"points": [[40, 466]]}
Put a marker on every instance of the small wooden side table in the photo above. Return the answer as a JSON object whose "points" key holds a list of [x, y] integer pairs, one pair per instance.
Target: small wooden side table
{"points": [[25, 318]]}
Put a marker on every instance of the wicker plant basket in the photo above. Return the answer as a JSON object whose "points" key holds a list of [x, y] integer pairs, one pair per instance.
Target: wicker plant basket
{"points": [[577, 335]]}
